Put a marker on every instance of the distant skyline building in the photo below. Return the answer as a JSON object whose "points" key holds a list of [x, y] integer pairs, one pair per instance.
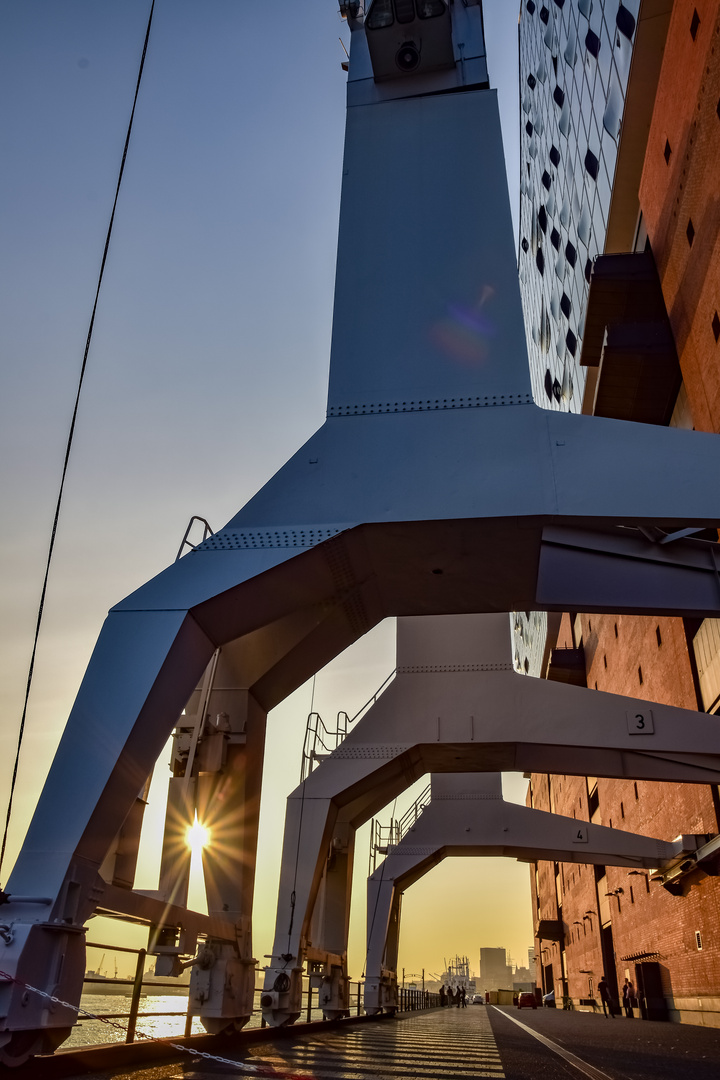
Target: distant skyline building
{"points": [[581, 63], [495, 971]]}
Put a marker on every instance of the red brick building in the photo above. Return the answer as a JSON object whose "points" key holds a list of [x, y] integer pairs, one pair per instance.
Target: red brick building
{"points": [[610, 920]]}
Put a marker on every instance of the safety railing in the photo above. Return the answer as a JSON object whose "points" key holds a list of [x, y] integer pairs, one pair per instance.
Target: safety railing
{"points": [[385, 837], [410, 999], [320, 740]]}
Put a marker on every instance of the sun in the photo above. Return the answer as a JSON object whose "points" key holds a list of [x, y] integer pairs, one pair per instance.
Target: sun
{"points": [[197, 836]]}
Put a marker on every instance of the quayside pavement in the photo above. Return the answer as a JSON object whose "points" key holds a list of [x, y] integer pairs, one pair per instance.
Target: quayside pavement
{"points": [[478, 1043]]}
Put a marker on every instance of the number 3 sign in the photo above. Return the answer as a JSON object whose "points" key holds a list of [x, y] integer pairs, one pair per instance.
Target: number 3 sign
{"points": [[640, 723]]}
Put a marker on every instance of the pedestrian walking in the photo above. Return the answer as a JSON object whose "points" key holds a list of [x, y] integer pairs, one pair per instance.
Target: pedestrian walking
{"points": [[628, 995], [443, 997], [604, 992], [463, 994]]}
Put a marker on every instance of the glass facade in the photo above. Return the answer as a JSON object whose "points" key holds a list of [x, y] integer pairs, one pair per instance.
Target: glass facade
{"points": [[574, 66]]}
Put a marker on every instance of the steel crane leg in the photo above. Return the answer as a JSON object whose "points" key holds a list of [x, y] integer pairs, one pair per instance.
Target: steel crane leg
{"points": [[463, 820]]}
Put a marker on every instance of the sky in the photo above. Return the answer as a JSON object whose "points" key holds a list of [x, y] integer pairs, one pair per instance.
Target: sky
{"points": [[208, 366]]}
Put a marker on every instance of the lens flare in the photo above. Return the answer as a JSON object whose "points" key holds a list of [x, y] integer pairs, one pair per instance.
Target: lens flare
{"points": [[197, 836]]}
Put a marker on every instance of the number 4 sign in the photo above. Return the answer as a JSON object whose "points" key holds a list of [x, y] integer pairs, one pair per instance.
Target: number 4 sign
{"points": [[580, 834], [640, 723]]}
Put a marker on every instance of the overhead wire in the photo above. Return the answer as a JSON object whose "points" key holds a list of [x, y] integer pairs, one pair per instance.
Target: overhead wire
{"points": [[56, 518]]}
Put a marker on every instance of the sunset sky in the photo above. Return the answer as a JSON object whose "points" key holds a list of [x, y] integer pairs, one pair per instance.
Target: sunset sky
{"points": [[208, 366]]}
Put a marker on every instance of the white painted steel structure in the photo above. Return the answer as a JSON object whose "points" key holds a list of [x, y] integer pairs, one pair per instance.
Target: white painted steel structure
{"points": [[456, 704], [435, 486], [468, 817]]}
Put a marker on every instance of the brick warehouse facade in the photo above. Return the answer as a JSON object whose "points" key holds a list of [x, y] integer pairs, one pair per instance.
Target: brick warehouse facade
{"points": [[595, 920]]}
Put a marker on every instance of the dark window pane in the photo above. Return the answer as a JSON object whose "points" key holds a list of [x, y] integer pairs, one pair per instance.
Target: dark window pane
{"points": [[540, 261], [592, 43], [625, 22], [571, 342], [532, 81], [380, 15], [555, 155], [530, 7], [542, 219], [570, 253], [716, 326], [544, 14], [694, 24], [548, 384], [555, 239], [529, 128], [429, 9], [546, 179], [404, 11], [524, 244], [690, 232], [565, 305], [558, 96], [668, 149], [592, 164]]}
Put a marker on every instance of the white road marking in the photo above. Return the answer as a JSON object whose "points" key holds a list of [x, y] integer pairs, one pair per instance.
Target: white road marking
{"points": [[572, 1059]]}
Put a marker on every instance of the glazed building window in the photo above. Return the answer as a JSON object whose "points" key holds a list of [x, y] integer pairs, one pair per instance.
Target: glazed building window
{"points": [[380, 15]]}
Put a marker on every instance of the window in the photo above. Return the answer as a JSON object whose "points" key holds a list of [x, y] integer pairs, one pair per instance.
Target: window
{"points": [[616, 630], [548, 384], [592, 164], [716, 326], [542, 219], [426, 9], [593, 801], [546, 179], [571, 342], [640, 675], [380, 15], [529, 128], [570, 253], [592, 43], [632, 895], [565, 305], [544, 14], [524, 245], [690, 232], [540, 261], [559, 96], [636, 790], [555, 239], [694, 24], [605, 660], [532, 82], [658, 635], [530, 7], [625, 22], [668, 149], [405, 11], [622, 811], [555, 155]]}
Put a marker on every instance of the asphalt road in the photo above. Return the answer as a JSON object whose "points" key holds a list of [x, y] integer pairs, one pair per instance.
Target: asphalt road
{"points": [[621, 1049]]}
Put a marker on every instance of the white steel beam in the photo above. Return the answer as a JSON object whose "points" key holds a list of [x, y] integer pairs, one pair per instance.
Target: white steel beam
{"points": [[462, 819]]}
